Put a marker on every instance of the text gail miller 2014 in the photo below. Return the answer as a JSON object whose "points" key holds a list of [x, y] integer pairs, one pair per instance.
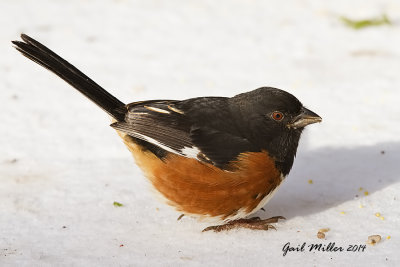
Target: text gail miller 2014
{"points": [[330, 247]]}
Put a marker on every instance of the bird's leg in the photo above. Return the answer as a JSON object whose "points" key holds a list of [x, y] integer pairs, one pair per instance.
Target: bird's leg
{"points": [[254, 223]]}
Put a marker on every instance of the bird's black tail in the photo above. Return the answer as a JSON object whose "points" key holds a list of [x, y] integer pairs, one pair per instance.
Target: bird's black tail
{"points": [[39, 53]]}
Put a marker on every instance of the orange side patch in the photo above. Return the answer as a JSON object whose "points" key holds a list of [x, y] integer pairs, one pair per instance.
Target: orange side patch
{"points": [[194, 187]]}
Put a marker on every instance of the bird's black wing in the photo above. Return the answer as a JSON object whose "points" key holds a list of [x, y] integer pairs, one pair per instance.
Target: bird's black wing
{"points": [[200, 128]]}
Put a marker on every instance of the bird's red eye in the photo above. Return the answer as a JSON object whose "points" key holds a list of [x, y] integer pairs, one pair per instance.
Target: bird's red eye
{"points": [[278, 116]]}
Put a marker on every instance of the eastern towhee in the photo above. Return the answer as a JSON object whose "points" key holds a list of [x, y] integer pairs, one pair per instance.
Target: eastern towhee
{"points": [[215, 157]]}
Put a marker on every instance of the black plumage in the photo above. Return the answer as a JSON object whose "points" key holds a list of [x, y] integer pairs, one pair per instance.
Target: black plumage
{"points": [[211, 129]]}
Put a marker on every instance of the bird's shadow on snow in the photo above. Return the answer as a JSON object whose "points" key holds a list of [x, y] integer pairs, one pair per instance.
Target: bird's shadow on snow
{"points": [[338, 175]]}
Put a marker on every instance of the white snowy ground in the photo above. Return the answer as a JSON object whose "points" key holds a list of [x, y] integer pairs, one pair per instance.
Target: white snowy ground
{"points": [[62, 166]]}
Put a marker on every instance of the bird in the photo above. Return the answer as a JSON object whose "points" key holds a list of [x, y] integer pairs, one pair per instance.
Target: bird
{"points": [[217, 158]]}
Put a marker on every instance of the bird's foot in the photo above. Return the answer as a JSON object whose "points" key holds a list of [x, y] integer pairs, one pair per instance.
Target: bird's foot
{"points": [[254, 223]]}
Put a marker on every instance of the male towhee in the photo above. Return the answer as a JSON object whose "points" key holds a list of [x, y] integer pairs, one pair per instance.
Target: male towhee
{"points": [[213, 157]]}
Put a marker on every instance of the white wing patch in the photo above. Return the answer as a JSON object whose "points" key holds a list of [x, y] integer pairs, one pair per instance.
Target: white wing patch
{"points": [[155, 142], [174, 109], [159, 110], [190, 152]]}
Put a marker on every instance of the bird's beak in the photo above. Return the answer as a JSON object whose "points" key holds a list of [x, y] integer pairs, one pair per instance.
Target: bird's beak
{"points": [[305, 118]]}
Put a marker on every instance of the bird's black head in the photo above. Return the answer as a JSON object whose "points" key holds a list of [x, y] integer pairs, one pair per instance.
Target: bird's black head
{"points": [[273, 120]]}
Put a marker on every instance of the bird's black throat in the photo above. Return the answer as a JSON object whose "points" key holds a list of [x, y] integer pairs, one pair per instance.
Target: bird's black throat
{"points": [[283, 150]]}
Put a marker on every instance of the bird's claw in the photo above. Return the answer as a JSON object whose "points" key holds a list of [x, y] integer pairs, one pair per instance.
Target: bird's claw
{"points": [[254, 223]]}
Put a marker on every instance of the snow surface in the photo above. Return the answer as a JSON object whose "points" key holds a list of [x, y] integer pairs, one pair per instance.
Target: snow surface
{"points": [[62, 167]]}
